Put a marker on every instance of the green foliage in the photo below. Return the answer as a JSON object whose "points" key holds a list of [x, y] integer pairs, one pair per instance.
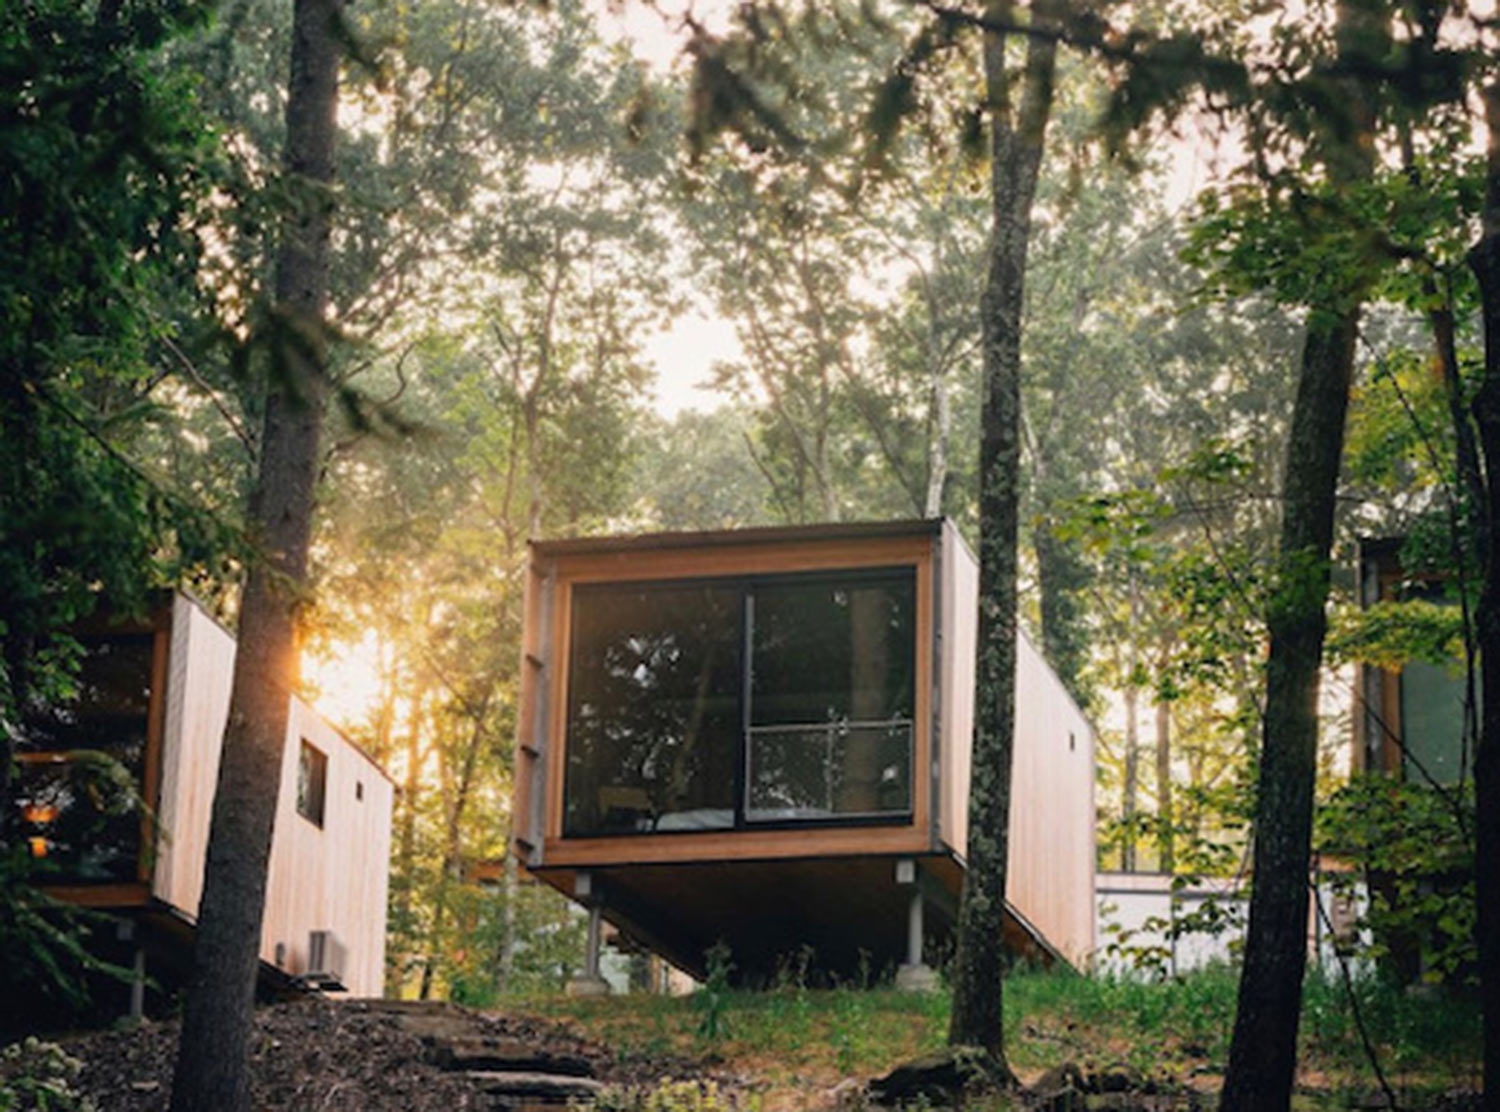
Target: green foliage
{"points": [[1389, 634], [1179, 1027], [50, 945], [670, 1095], [103, 156], [712, 996], [38, 1076], [1413, 842]]}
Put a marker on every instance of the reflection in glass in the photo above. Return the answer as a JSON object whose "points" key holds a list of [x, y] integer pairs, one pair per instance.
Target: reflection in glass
{"points": [[829, 771], [833, 650], [658, 729], [1432, 721], [653, 709], [80, 765]]}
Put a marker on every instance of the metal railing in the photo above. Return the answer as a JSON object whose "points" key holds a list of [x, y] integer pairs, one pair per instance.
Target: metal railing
{"points": [[811, 783]]}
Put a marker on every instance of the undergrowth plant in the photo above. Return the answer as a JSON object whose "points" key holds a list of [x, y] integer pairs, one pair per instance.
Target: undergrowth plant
{"points": [[38, 1076]]}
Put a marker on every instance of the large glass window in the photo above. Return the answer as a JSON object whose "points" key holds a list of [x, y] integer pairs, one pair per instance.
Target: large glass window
{"points": [[653, 708], [672, 727], [1432, 721], [833, 680], [80, 767]]}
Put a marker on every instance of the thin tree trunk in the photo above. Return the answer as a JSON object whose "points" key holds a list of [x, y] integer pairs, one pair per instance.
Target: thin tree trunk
{"points": [[937, 465], [1165, 818], [1131, 789], [212, 1057], [1485, 262], [1016, 141], [1262, 1057], [1263, 1049], [452, 864], [406, 846]]}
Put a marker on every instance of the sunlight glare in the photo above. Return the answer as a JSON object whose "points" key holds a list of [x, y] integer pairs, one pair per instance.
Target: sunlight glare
{"points": [[343, 683]]}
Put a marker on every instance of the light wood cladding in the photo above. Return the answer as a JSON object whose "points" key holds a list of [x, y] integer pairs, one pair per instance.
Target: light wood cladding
{"points": [[1050, 878], [328, 878]]}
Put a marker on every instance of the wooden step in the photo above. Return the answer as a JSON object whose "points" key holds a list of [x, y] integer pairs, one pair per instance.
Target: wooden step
{"points": [[485, 1054], [526, 1085]]}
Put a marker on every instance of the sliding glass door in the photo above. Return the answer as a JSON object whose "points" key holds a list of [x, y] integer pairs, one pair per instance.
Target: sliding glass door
{"points": [[721, 703]]}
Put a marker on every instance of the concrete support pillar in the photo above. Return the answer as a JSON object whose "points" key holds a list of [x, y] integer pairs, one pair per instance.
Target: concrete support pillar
{"points": [[127, 930], [913, 975], [595, 940], [138, 985], [590, 982]]}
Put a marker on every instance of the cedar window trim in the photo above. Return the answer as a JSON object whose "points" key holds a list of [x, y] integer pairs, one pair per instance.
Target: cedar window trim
{"points": [[904, 573]]}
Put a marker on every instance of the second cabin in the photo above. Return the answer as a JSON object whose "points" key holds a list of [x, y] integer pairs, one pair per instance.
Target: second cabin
{"points": [[762, 737]]}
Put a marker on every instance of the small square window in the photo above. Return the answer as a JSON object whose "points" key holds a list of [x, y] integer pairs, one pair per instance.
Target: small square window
{"points": [[312, 783]]}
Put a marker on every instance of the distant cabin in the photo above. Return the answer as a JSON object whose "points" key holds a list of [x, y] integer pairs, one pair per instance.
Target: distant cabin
{"points": [[763, 736], [1408, 722], [155, 696]]}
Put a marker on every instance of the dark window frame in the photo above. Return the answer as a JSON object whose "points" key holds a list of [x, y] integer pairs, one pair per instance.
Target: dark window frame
{"points": [[312, 806], [905, 573]]}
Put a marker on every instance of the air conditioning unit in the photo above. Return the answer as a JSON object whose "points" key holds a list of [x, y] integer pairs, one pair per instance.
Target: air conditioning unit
{"points": [[327, 959]]}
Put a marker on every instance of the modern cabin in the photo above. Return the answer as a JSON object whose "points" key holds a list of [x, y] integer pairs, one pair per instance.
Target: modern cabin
{"points": [[762, 737], [1409, 723], [155, 696]]}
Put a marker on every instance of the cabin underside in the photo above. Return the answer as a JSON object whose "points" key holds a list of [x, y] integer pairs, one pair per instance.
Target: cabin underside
{"points": [[830, 918]]}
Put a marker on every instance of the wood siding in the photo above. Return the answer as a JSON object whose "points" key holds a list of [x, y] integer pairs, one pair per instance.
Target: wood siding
{"points": [[1051, 875], [328, 878]]}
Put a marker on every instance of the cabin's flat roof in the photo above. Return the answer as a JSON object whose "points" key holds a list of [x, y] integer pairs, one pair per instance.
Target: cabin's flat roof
{"points": [[835, 531]]}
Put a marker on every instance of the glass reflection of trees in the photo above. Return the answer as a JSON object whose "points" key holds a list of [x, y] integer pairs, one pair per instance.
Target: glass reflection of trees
{"points": [[654, 709], [832, 698], [80, 765], [656, 723]]}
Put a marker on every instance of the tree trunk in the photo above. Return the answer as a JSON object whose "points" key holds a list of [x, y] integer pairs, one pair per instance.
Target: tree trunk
{"points": [[1485, 262], [406, 852], [1263, 1049], [1131, 789], [1132, 786], [937, 462], [212, 1056], [1166, 843], [1262, 1056], [1016, 140]]}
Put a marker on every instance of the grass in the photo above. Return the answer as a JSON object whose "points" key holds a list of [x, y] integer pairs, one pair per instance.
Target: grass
{"points": [[800, 1041]]}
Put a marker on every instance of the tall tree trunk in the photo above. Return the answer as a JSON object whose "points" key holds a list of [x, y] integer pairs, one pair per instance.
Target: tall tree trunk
{"points": [[1262, 1057], [1263, 1049], [452, 867], [212, 1055], [1016, 140], [1129, 805], [397, 962], [1165, 819], [937, 461], [1131, 789], [1485, 262]]}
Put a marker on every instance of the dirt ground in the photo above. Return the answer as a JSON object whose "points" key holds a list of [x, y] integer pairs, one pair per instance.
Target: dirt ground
{"points": [[315, 1054]]}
